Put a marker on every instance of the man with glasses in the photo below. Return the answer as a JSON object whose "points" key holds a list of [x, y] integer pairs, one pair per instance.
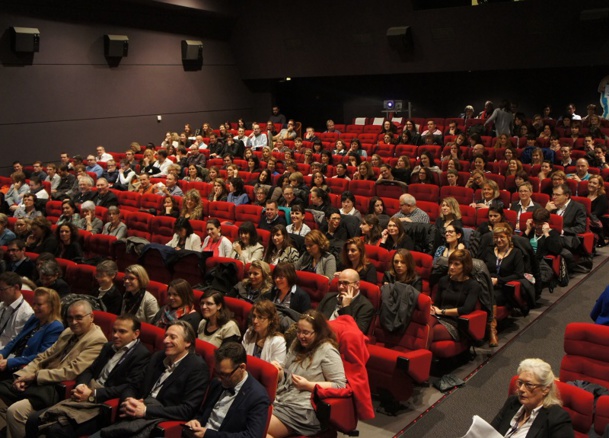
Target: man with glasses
{"points": [[19, 263], [120, 363], [409, 212], [348, 301], [34, 386], [14, 310], [574, 222], [92, 166], [172, 387], [237, 405]]}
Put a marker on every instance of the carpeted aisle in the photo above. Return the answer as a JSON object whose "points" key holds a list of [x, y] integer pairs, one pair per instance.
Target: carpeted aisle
{"points": [[486, 391]]}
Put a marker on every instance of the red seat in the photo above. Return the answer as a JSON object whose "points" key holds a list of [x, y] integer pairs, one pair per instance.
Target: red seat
{"points": [[188, 269], [577, 402], [601, 414], [152, 337], [468, 216], [405, 149], [315, 285], [151, 201], [337, 185], [138, 225], [248, 212], [156, 267], [390, 190], [431, 208], [101, 245], [129, 200], [399, 360], [223, 211], [81, 279], [53, 210], [230, 231], [425, 192], [362, 188], [423, 264], [463, 195], [385, 150], [436, 151], [379, 257], [586, 357], [392, 206], [241, 310], [105, 321], [161, 228]]}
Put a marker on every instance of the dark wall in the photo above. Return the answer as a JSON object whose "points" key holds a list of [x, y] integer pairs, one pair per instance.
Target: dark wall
{"points": [[67, 98], [438, 94], [318, 38]]}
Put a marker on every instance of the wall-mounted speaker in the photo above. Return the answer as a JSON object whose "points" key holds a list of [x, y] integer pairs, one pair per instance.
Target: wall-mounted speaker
{"points": [[192, 50], [25, 39], [400, 38], [116, 46]]}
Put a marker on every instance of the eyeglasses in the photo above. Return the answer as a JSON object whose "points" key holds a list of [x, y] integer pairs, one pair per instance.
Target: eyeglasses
{"points": [[527, 385], [258, 318], [449, 232], [346, 283], [5, 288], [226, 375], [305, 333], [77, 317]]}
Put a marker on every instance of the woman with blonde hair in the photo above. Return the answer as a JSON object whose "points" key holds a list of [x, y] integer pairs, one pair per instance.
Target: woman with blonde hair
{"points": [[257, 283], [192, 206], [137, 300], [450, 214], [263, 338], [600, 204], [490, 196]]}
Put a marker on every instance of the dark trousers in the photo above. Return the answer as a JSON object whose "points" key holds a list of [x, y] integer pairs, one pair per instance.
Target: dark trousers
{"points": [[69, 430]]}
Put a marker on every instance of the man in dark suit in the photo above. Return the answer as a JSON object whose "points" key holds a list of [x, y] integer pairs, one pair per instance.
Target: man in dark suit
{"points": [[120, 363], [237, 404], [574, 222], [348, 301], [34, 385], [105, 198], [172, 387], [19, 263]]}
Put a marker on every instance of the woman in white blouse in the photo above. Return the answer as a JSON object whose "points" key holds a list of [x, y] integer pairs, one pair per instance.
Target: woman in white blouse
{"points": [[263, 338]]}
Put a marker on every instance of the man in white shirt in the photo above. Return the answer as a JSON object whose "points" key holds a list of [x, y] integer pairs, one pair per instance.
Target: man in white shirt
{"points": [[102, 155], [14, 310], [257, 139]]}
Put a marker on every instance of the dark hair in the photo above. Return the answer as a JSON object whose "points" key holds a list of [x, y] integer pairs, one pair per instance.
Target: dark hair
{"points": [[429, 155], [11, 278], [224, 314], [372, 202], [266, 309], [375, 229], [73, 232], [330, 211], [541, 215], [136, 324], [184, 290], [287, 242], [214, 221], [407, 257], [565, 189], [249, 228], [358, 158], [233, 351], [323, 333], [297, 207], [183, 223], [237, 185], [463, 256], [256, 161], [285, 269], [347, 195], [363, 260]]}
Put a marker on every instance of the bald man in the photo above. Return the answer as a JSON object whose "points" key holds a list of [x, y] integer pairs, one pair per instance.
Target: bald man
{"points": [[348, 301]]}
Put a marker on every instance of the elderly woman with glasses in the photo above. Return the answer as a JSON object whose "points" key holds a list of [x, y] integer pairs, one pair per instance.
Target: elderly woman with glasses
{"points": [[535, 409]]}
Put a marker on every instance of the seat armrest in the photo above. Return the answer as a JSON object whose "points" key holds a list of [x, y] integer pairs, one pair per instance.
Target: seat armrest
{"points": [[474, 324], [416, 363]]}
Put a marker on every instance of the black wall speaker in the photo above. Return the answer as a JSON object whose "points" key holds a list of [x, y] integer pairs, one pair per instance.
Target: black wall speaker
{"points": [[25, 39], [116, 46], [192, 50], [400, 38]]}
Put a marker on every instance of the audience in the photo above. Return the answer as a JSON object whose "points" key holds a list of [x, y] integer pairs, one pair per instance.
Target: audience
{"points": [[263, 338], [137, 300], [217, 326]]}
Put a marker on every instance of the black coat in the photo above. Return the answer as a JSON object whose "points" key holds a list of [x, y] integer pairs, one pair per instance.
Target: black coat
{"points": [[552, 422]]}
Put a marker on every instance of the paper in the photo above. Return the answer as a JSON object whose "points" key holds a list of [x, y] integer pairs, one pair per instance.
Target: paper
{"points": [[481, 429]]}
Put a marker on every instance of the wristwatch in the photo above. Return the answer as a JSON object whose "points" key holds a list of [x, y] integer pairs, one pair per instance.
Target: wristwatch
{"points": [[91, 398], [443, 311]]}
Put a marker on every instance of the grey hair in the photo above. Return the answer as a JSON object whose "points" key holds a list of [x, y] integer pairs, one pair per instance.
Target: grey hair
{"points": [[544, 375], [408, 199], [88, 206]]}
